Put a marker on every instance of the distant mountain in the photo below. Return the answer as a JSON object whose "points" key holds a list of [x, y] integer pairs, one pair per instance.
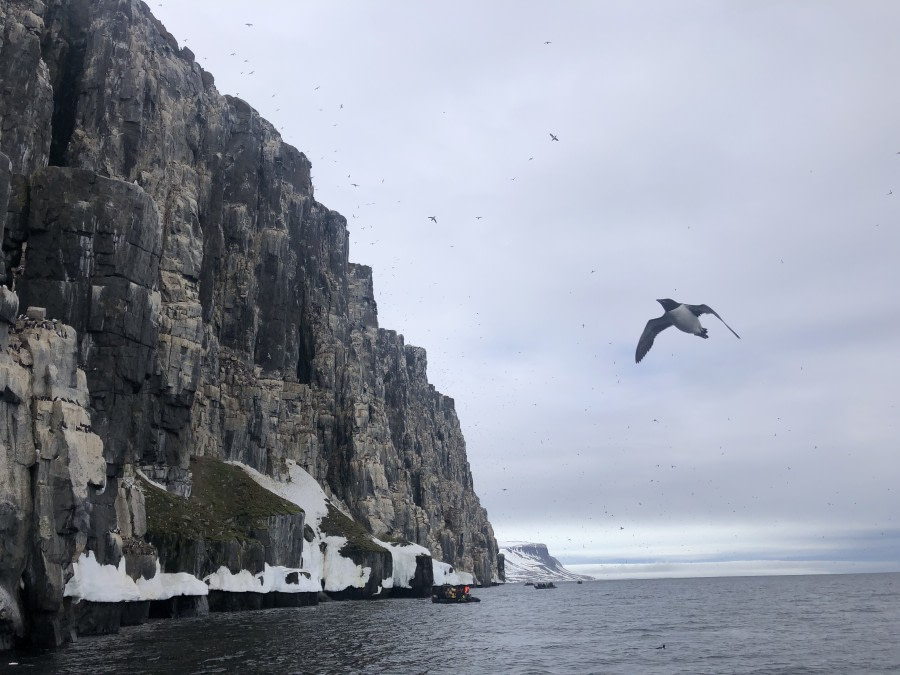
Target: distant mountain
{"points": [[527, 561]]}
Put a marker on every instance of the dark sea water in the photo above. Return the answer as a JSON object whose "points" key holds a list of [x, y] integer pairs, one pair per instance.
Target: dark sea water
{"points": [[792, 625]]}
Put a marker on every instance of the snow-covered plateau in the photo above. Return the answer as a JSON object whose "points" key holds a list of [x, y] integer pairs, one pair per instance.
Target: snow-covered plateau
{"points": [[527, 561]]}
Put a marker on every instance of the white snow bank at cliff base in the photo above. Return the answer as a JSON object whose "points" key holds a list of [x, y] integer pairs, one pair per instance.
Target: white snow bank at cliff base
{"points": [[445, 574], [110, 583], [273, 578], [337, 571]]}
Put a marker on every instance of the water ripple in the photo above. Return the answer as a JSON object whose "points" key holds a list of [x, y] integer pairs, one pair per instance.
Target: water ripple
{"points": [[772, 625]]}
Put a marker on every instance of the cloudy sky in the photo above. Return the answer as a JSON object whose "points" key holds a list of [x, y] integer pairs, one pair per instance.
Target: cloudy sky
{"points": [[740, 154]]}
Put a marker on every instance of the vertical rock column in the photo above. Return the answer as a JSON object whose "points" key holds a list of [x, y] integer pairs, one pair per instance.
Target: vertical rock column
{"points": [[93, 261], [16, 457], [68, 468], [50, 465]]}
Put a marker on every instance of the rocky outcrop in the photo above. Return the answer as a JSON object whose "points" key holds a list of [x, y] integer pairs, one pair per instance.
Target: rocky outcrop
{"points": [[51, 463], [199, 302]]}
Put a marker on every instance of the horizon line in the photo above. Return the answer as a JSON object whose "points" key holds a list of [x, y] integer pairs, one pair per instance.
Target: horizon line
{"points": [[731, 568]]}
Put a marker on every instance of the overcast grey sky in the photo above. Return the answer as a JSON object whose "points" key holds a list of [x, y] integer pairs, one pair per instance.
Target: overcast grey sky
{"points": [[740, 154]]}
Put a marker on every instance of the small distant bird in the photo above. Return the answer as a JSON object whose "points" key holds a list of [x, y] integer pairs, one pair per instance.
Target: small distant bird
{"points": [[663, 646], [478, 217], [547, 42], [249, 25], [432, 218], [354, 184], [553, 137], [683, 317]]}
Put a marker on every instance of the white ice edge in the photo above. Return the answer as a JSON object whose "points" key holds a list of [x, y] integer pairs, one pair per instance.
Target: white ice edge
{"points": [[111, 583]]}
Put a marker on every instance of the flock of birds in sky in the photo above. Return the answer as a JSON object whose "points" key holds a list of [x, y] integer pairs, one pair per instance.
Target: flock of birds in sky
{"points": [[683, 316]]}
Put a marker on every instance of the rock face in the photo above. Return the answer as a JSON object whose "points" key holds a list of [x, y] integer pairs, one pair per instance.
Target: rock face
{"points": [[199, 303], [52, 465], [527, 561]]}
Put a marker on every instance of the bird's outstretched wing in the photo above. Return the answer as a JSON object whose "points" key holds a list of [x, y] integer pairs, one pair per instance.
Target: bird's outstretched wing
{"points": [[651, 330], [697, 310]]}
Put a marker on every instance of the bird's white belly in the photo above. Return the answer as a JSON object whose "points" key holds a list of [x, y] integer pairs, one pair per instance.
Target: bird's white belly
{"points": [[684, 319]]}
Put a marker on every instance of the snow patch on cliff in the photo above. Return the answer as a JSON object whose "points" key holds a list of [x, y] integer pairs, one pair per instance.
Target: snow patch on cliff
{"points": [[329, 566], [337, 571], [273, 578], [445, 574], [404, 562], [321, 562], [111, 583]]}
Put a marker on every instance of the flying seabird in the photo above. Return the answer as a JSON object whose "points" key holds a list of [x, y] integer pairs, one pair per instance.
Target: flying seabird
{"points": [[432, 218], [553, 137], [683, 317]]}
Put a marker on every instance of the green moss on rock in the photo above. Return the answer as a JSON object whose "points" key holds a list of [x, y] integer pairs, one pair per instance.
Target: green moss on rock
{"points": [[336, 523], [396, 539], [225, 504]]}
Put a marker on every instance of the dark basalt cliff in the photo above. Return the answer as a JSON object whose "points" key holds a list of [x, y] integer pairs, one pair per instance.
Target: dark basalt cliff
{"points": [[199, 303]]}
